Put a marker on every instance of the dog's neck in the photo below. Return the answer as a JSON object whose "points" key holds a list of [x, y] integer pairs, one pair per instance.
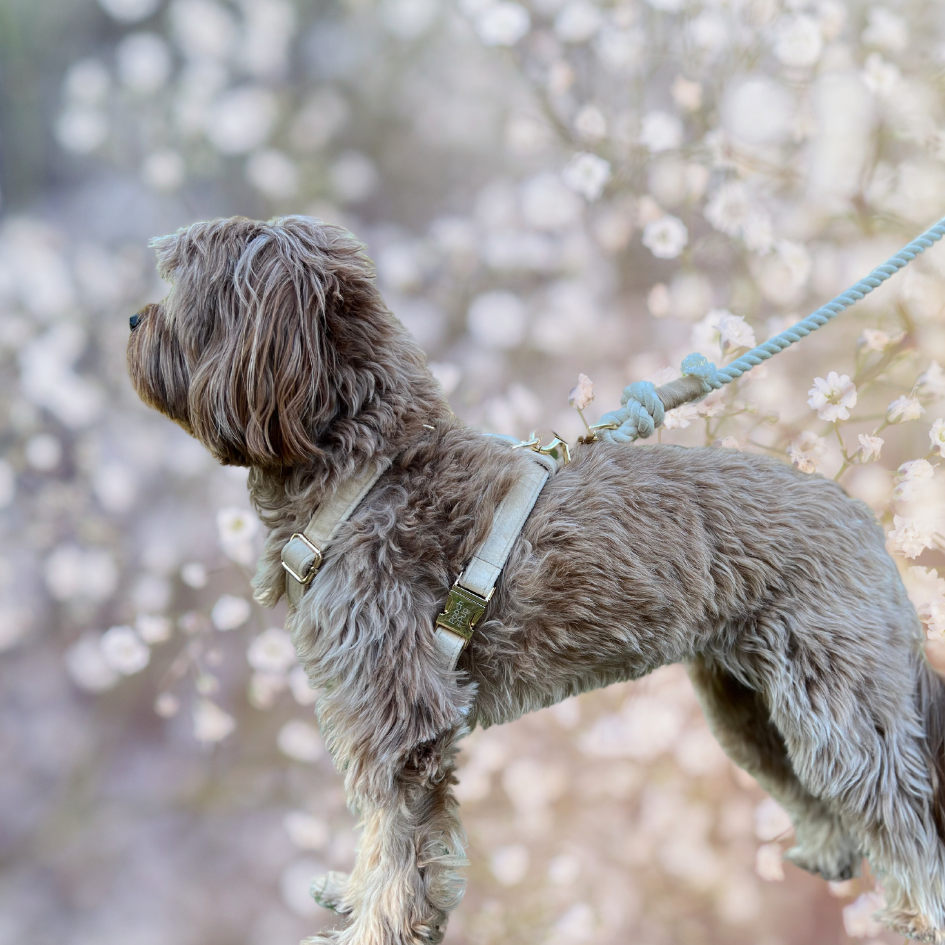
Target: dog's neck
{"points": [[389, 425]]}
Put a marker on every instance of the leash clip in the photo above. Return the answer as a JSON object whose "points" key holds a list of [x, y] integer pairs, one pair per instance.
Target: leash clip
{"points": [[557, 449]]}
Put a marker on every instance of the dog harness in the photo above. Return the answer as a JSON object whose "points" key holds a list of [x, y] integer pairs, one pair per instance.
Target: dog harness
{"points": [[303, 553]]}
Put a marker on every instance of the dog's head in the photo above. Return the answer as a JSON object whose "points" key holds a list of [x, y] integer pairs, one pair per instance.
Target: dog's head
{"points": [[273, 343]]}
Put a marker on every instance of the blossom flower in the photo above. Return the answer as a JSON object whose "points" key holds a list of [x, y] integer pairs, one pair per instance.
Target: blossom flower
{"points": [[230, 612], [911, 536], [587, 174], [194, 574], [874, 340], [729, 208], [870, 448], [832, 397], [687, 94], [577, 22], [503, 24], [727, 443], [858, 918], [659, 300], [301, 741], [124, 650], [87, 666], [661, 131], [306, 831], [799, 42], [904, 408], [886, 29], [211, 723], [153, 628], [937, 436], [581, 396], [272, 651], [681, 417], [931, 382], [509, 864], [807, 450], [879, 76], [167, 705], [666, 237], [235, 525], [301, 689], [911, 474], [264, 688]]}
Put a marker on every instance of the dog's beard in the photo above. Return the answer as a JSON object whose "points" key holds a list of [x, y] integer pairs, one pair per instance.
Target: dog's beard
{"points": [[158, 367]]}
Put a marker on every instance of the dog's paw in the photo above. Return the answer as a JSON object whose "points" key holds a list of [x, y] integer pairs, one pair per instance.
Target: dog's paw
{"points": [[912, 925], [329, 892], [836, 868]]}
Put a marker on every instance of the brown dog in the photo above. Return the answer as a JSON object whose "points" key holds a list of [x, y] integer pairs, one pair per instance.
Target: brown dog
{"points": [[276, 351]]}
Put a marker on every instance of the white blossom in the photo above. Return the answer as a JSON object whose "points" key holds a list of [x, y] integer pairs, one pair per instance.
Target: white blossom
{"points": [[264, 687], [911, 474], [124, 650], [927, 593], [870, 448], [681, 417], [497, 320], [879, 76], [799, 42], [301, 689], [154, 628], [687, 94], [806, 450], [211, 723], [832, 397], [87, 666], [886, 29], [503, 24], [666, 237], [587, 174], [937, 436], [301, 741], [872, 339], [661, 131], [912, 536], [236, 528], [194, 574], [129, 11], [581, 396], [904, 408], [509, 864], [272, 651], [167, 705], [230, 612], [577, 21], [144, 62], [306, 831], [858, 921], [931, 382]]}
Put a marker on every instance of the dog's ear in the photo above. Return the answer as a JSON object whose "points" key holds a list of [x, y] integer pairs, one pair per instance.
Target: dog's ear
{"points": [[293, 325]]}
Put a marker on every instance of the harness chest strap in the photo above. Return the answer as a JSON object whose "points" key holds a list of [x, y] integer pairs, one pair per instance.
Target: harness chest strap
{"points": [[302, 554]]}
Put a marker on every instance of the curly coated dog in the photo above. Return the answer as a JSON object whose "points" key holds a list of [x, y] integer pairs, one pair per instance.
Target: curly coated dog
{"points": [[774, 588]]}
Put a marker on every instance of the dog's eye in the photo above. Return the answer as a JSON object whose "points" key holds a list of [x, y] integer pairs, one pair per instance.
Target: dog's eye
{"points": [[134, 321]]}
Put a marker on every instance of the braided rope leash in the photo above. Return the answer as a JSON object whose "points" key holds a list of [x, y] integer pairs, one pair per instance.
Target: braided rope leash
{"points": [[644, 405]]}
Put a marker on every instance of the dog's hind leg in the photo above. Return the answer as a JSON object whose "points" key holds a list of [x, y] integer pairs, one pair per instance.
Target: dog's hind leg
{"points": [[405, 881], [741, 723]]}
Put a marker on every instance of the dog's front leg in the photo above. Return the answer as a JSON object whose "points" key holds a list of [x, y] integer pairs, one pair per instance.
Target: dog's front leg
{"points": [[406, 881]]}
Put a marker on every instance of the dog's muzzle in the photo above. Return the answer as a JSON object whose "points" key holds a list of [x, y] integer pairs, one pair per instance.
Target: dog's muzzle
{"points": [[134, 321]]}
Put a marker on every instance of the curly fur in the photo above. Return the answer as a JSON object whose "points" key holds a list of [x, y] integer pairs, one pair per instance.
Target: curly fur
{"points": [[275, 349]]}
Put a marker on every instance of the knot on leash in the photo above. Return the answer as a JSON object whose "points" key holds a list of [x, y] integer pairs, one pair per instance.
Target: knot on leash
{"points": [[695, 365], [641, 414]]}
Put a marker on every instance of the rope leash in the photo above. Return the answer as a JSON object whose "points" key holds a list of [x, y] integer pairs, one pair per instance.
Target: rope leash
{"points": [[644, 405]]}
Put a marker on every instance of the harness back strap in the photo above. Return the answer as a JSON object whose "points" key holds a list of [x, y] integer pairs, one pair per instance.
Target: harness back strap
{"points": [[475, 586], [302, 553]]}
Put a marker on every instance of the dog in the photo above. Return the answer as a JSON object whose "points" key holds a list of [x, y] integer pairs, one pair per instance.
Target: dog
{"points": [[275, 349]]}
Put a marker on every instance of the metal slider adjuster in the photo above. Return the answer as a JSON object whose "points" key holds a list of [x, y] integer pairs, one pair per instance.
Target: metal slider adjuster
{"points": [[464, 608], [312, 568]]}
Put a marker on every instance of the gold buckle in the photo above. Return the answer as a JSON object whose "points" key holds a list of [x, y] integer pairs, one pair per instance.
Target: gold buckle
{"points": [[556, 446], [464, 608], [313, 567]]}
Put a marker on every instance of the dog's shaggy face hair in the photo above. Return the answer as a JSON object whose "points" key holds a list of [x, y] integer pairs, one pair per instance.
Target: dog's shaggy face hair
{"points": [[774, 588]]}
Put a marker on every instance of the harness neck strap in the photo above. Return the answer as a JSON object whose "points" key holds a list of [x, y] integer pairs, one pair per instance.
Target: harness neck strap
{"points": [[302, 554]]}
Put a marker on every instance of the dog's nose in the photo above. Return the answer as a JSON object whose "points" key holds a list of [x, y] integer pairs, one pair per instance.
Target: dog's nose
{"points": [[134, 321]]}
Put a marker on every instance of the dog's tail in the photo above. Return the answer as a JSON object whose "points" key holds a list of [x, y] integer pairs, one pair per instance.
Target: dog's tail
{"points": [[930, 701]]}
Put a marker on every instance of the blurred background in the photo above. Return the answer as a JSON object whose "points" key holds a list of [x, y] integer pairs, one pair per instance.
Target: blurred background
{"points": [[548, 188]]}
